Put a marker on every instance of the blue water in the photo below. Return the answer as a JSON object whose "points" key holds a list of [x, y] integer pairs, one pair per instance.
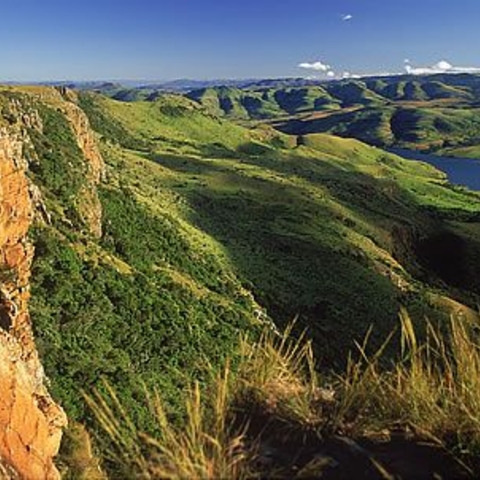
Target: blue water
{"points": [[460, 171]]}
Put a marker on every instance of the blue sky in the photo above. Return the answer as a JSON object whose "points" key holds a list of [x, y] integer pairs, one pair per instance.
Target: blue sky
{"points": [[167, 39]]}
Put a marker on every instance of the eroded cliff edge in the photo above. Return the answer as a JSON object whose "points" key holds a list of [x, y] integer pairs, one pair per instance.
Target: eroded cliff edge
{"points": [[31, 423]]}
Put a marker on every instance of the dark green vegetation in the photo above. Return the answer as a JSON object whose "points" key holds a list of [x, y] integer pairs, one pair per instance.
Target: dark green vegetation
{"points": [[423, 127], [211, 229], [93, 320], [59, 168]]}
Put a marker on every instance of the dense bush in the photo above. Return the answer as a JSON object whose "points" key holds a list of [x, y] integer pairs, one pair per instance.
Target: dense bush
{"points": [[92, 321], [61, 167]]}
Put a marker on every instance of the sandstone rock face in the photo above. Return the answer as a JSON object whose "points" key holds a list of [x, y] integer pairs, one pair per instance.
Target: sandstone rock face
{"points": [[30, 422], [90, 207], [65, 100]]}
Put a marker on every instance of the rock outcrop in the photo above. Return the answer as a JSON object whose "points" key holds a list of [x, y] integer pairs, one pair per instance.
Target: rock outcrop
{"points": [[90, 208], [65, 100], [30, 421]]}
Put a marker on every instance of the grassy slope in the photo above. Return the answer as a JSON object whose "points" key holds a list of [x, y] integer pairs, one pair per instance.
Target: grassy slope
{"points": [[303, 228], [208, 225]]}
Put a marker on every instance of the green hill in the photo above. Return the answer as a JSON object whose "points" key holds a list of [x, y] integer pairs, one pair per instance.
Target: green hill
{"points": [[354, 92], [435, 112], [435, 90], [263, 103], [406, 126]]}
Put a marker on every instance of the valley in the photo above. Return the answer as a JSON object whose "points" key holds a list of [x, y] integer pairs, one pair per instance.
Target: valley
{"points": [[239, 240]]}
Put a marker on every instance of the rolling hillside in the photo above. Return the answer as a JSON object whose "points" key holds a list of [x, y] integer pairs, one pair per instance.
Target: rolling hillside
{"points": [[233, 221], [190, 229], [423, 128]]}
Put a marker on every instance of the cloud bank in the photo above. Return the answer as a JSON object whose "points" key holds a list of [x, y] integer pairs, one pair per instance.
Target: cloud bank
{"points": [[440, 67], [323, 70]]}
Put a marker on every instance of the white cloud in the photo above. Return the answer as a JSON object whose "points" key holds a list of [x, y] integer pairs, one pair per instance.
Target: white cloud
{"points": [[317, 66], [346, 75], [347, 17], [440, 67], [323, 70], [382, 74]]}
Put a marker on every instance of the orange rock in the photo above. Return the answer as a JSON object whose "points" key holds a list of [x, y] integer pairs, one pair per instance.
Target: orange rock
{"points": [[30, 422], [25, 431]]}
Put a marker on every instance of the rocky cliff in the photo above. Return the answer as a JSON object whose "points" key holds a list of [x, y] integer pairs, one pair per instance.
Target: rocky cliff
{"points": [[23, 112], [30, 421]]}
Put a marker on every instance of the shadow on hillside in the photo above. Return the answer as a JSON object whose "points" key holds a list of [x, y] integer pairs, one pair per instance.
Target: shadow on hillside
{"points": [[289, 243], [291, 253]]}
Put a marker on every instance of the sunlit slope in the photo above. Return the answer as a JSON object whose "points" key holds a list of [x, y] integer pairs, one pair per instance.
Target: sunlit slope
{"points": [[326, 231], [170, 121], [210, 229]]}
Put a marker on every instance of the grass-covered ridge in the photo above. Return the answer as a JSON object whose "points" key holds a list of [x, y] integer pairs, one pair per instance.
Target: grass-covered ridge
{"points": [[410, 126], [330, 211], [170, 121]]}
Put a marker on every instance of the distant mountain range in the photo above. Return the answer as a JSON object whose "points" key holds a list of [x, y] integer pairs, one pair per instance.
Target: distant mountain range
{"points": [[185, 85], [429, 112]]}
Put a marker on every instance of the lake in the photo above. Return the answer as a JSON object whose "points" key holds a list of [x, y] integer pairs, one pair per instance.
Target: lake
{"points": [[460, 171]]}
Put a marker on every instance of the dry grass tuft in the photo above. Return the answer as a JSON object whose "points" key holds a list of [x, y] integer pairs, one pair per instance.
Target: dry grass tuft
{"points": [[205, 448], [433, 390], [278, 374]]}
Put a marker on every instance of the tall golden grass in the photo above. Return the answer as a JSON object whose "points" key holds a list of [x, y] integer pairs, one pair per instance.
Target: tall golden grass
{"points": [[434, 389], [206, 448], [275, 373]]}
